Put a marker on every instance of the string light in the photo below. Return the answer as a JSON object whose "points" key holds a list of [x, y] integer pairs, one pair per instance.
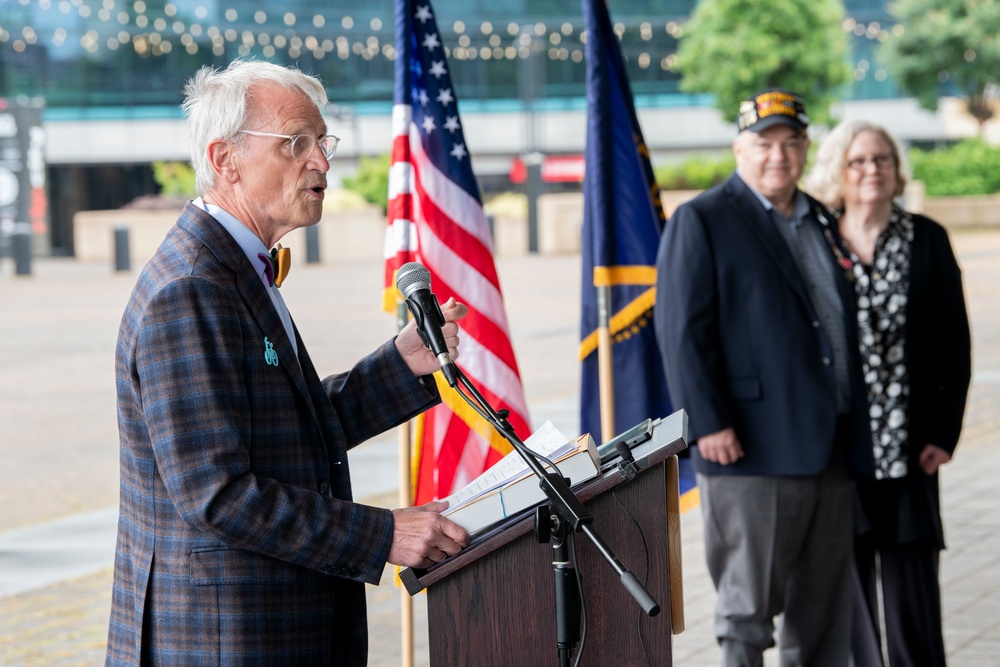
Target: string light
{"points": [[114, 24]]}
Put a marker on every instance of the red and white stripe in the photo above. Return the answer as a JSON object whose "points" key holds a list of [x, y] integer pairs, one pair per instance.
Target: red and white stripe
{"points": [[435, 222]]}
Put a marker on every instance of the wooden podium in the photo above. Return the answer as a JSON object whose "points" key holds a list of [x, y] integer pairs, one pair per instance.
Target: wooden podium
{"points": [[494, 603]]}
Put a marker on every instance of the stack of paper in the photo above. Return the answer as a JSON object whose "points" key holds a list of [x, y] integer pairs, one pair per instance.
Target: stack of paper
{"points": [[510, 486]]}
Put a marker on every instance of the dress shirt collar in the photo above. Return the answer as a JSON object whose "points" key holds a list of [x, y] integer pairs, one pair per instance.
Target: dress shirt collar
{"points": [[801, 203], [249, 242]]}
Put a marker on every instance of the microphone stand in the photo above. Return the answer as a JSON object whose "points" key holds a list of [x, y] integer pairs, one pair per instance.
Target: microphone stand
{"points": [[566, 514]]}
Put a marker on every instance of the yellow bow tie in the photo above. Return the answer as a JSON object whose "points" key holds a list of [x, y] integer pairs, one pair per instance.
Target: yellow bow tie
{"points": [[277, 264]]}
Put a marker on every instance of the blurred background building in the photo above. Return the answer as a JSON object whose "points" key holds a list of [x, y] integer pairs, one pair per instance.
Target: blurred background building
{"points": [[108, 77]]}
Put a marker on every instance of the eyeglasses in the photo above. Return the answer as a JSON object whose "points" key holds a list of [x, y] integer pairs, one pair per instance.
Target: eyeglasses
{"points": [[763, 145], [302, 145], [880, 161]]}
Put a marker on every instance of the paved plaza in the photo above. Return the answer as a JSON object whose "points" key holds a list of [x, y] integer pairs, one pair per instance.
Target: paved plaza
{"points": [[59, 447]]}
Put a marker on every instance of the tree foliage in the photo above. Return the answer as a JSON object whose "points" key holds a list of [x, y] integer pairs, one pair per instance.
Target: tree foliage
{"points": [[735, 48], [176, 179], [970, 167], [695, 173], [942, 45], [371, 180]]}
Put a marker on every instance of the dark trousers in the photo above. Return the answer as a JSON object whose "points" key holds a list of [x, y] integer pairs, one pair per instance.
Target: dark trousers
{"points": [[780, 544], [912, 601]]}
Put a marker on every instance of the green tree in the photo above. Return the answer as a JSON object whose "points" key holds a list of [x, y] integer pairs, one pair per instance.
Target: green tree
{"points": [[947, 44], [970, 167], [734, 48], [176, 179], [695, 173], [371, 180]]}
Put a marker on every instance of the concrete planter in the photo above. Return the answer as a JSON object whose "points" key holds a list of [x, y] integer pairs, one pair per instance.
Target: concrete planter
{"points": [[560, 221], [343, 235], [964, 212]]}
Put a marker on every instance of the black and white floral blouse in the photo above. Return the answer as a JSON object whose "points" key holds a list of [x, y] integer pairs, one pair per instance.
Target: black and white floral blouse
{"points": [[882, 289]]}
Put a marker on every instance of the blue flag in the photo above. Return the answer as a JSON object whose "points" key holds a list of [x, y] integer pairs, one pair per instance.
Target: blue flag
{"points": [[622, 221]]}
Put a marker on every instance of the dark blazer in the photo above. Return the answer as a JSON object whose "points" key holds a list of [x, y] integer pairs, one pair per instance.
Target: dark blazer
{"points": [[939, 358], [237, 540], [741, 343]]}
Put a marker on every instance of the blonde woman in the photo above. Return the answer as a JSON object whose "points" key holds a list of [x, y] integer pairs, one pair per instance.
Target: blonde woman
{"points": [[915, 351]]}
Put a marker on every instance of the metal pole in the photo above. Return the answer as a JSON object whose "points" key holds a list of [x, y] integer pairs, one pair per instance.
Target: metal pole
{"points": [[405, 499], [22, 249], [533, 189], [605, 363], [122, 261], [312, 244], [530, 77]]}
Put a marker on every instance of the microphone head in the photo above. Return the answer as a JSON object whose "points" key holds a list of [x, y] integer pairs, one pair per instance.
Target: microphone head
{"points": [[411, 277]]}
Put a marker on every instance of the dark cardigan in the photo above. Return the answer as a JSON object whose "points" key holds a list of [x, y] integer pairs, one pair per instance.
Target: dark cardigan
{"points": [[938, 356]]}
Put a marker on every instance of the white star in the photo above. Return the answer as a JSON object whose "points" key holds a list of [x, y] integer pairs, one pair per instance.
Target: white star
{"points": [[445, 97], [423, 13], [428, 124], [451, 123], [422, 97], [458, 151], [438, 69], [431, 41]]}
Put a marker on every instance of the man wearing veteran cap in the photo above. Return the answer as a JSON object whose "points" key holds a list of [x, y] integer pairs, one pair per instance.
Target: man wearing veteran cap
{"points": [[753, 328]]}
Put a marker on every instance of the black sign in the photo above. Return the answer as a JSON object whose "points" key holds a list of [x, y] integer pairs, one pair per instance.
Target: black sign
{"points": [[23, 199]]}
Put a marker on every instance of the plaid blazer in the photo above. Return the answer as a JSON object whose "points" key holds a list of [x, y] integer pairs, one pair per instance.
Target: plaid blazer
{"points": [[238, 543]]}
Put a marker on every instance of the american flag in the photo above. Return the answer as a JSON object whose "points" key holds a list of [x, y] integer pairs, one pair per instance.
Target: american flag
{"points": [[436, 217]]}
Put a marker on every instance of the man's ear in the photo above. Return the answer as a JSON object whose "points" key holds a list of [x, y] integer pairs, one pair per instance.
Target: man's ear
{"points": [[223, 158], [737, 144]]}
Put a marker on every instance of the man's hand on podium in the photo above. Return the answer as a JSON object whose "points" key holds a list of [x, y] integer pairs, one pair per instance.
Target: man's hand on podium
{"points": [[422, 537]]}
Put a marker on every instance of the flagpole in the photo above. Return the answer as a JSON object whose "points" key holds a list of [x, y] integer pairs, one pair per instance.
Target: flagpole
{"points": [[405, 499], [605, 363]]}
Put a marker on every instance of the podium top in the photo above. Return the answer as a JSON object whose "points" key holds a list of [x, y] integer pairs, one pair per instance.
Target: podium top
{"points": [[668, 437]]}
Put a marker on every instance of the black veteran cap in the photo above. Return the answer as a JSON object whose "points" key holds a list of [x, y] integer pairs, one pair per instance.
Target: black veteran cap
{"points": [[773, 107]]}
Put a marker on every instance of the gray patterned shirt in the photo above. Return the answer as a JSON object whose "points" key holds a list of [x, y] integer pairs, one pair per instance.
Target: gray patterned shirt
{"points": [[816, 265]]}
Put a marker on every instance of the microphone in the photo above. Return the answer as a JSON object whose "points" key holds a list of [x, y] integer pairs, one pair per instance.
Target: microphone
{"points": [[414, 281]]}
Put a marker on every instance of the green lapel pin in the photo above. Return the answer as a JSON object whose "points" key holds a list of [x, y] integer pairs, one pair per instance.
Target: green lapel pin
{"points": [[270, 356]]}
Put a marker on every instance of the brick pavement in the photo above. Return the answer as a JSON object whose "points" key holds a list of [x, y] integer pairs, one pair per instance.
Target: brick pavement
{"points": [[58, 438]]}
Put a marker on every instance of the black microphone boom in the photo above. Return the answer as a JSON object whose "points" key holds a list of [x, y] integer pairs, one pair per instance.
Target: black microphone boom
{"points": [[414, 281]]}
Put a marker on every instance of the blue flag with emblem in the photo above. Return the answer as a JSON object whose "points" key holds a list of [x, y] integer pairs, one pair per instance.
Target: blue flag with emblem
{"points": [[622, 221]]}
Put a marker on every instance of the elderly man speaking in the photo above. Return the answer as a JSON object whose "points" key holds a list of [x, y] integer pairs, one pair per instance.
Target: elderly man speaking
{"points": [[238, 540]]}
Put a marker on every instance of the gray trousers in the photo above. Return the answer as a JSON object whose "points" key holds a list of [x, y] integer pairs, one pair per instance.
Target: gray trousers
{"points": [[780, 545]]}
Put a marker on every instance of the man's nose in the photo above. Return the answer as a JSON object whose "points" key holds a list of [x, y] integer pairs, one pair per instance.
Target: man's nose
{"points": [[318, 161], [778, 152]]}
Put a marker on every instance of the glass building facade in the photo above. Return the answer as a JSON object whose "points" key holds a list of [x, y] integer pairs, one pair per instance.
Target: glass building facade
{"points": [[93, 54], [99, 60]]}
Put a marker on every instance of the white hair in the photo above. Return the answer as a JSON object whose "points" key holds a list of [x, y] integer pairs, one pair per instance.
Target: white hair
{"points": [[825, 180], [217, 103]]}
